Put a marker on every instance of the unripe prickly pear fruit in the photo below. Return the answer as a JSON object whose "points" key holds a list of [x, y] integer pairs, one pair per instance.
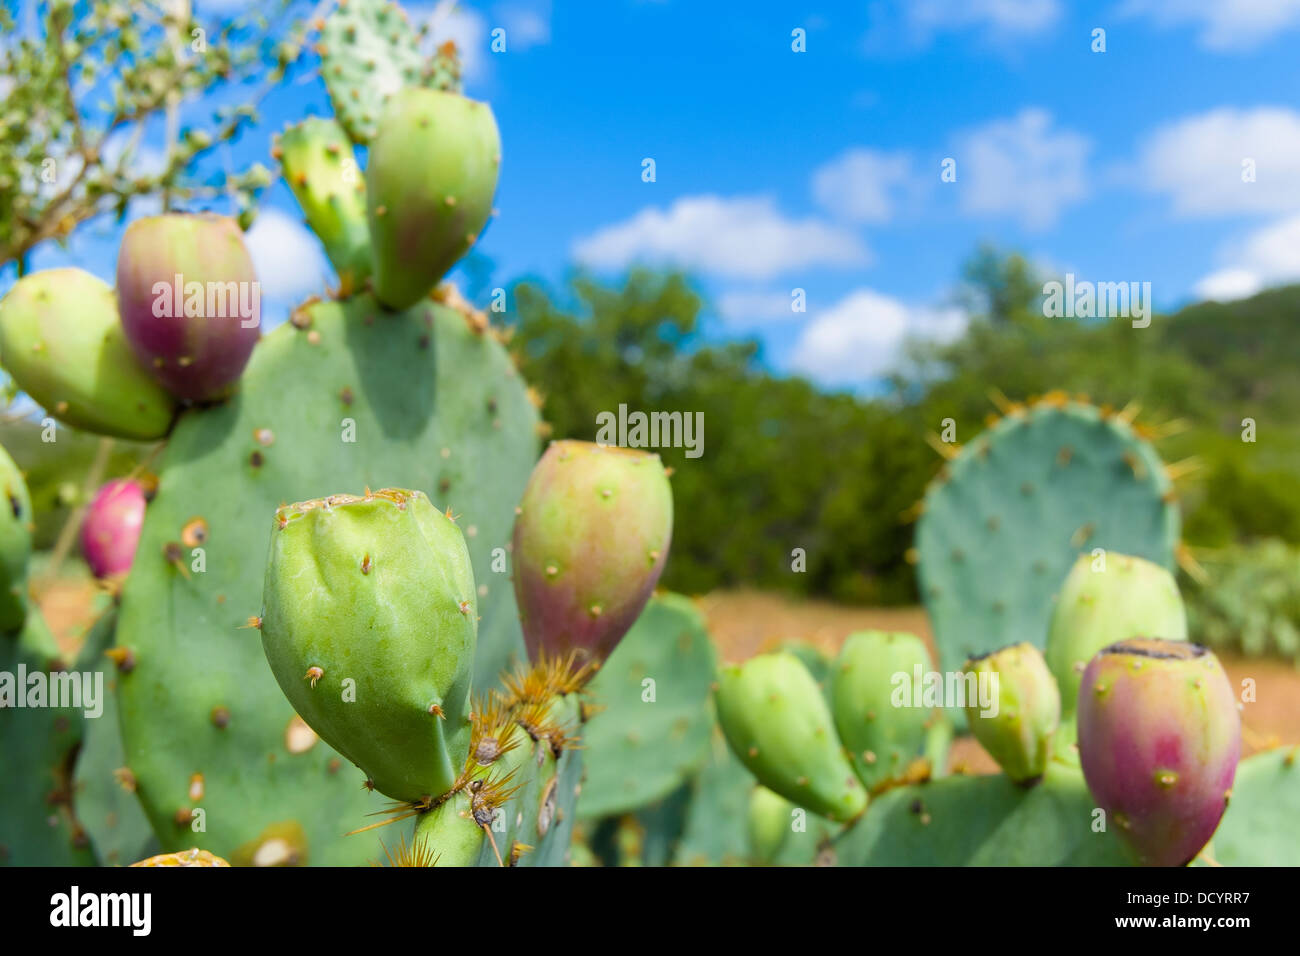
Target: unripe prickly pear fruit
{"points": [[322, 172], [61, 340], [111, 528], [15, 544], [190, 301], [1023, 713], [369, 623], [882, 739], [430, 178], [776, 721], [590, 541], [1159, 741], [770, 820], [1108, 598]]}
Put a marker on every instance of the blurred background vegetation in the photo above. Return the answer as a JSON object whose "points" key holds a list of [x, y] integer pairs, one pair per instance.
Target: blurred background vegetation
{"points": [[787, 466]]}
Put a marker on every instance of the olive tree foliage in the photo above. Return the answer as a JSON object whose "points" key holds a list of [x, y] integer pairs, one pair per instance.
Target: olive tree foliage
{"points": [[84, 81]]}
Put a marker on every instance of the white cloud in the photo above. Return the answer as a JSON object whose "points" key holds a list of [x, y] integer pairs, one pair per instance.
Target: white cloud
{"points": [[1198, 161], [750, 307], [1223, 25], [288, 258], [864, 185], [861, 337], [1269, 256], [527, 24], [742, 237], [1021, 167]]}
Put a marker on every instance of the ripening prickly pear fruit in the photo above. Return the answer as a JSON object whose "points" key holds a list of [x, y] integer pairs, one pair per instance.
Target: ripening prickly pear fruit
{"points": [[430, 178], [883, 735], [322, 172], [1107, 598], [770, 820], [111, 529], [369, 623], [190, 301], [776, 721], [15, 544], [1159, 741], [191, 857], [61, 340], [1013, 709], [590, 541]]}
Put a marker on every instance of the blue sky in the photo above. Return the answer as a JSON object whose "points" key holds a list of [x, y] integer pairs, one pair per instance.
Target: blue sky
{"points": [[820, 170]]}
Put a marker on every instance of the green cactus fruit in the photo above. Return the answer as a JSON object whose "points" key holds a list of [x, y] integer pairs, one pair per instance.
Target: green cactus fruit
{"points": [[590, 541], [430, 179], [777, 722], [368, 52], [190, 302], [882, 736], [15, 544], [1013, 709], [769, 823], [1107, 598], [1005, 519], [322, 172], [61, 340], [369, 624]]}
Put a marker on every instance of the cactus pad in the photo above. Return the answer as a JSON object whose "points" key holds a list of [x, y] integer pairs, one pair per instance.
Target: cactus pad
{"points": [[1007, 517], [637, 749], [348, 394]]}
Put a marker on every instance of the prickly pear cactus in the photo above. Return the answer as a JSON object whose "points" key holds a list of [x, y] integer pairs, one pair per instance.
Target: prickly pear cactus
{"points": [[103, 791], [422, 399], [777, 722], [882, 739], [983, 821], [367, 53], [654, 717], [1262, 824], [38, 745], [321, 170], [1006, 518], [15, 544], [61, 340]]}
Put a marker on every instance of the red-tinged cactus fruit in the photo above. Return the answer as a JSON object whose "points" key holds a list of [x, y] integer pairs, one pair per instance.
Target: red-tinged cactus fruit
{"points": [[1159, 741], [190, 302], [191, 857], [111, 529], [590, 541]]}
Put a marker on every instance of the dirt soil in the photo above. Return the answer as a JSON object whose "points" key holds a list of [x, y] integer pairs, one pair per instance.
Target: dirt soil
{"points": [[744, 623]]}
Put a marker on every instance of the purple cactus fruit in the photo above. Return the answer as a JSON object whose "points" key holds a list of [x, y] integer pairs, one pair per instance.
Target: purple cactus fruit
{"points": [[1159, 741], [590, 542], [190, 302], [112, 528]]}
